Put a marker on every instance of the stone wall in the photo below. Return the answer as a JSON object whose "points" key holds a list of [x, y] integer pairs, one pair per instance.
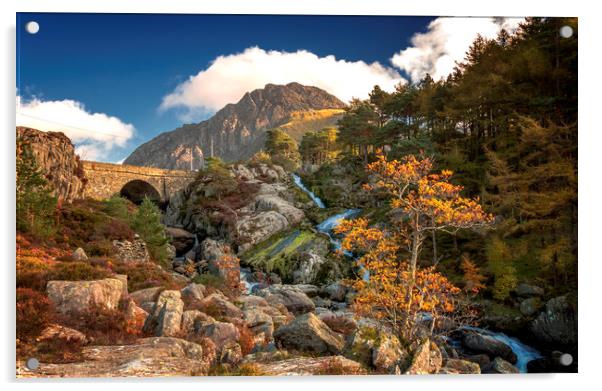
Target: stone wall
{"points": [[106, 179]]}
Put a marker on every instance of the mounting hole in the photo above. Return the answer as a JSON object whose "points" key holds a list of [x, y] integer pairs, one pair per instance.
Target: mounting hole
{"points": [[32, 364], [566, 359], [32, 27], [566, 31]]}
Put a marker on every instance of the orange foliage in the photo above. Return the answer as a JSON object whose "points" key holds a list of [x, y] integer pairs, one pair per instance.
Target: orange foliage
{"points": [[472, 276], [397, 292]]}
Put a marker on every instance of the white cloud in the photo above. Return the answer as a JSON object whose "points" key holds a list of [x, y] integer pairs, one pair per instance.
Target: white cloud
{"points": [[93, 134], [228, 77], [445, 43]]}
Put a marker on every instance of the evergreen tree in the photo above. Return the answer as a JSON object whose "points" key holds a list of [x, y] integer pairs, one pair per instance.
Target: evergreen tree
{"points": [[147, 223], [282, 149], [35, 204]]}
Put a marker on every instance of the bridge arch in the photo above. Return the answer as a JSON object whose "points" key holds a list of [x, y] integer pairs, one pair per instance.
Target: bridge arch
{"points": [[133, 182], [136, 190]]}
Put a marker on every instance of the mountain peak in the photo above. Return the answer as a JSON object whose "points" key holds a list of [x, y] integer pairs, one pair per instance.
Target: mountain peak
{"points": [[235, 132]]}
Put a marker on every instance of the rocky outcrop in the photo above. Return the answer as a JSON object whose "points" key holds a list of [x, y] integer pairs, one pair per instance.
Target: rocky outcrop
{"points": [[308, 333], [557, 324], [56, 158], [79, 255], [56, 332], [81, 297], [218, 305], [148, 357], [166, 318], [237, 131], [134, 251], [526, 290]]}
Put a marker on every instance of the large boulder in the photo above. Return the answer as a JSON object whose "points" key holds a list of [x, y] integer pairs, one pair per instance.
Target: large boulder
{"points": [[291, 296], [308, 333], [335, 291], [148, 357], [557, 324], [260, 323], [193, 292], [166, 318], [181, 239], [304, 366], [252, 229], [275, 203], [480, 343], [81, 297]]}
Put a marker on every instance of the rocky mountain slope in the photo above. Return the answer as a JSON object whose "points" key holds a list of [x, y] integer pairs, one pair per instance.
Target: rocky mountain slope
{"points": [[237, 131]]}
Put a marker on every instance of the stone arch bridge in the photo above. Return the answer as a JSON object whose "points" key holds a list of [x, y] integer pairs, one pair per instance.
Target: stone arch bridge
{"points": [[133, 182]]}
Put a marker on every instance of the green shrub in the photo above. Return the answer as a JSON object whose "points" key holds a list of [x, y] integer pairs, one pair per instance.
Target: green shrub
{"points": [[147, 223], [500, 260]]}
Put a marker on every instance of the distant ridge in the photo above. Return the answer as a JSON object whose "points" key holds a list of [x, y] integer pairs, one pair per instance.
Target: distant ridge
{"points": [[237, 131]]}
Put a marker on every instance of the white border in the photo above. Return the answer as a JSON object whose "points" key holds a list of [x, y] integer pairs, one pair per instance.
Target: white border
{"points": [[589, 181]]}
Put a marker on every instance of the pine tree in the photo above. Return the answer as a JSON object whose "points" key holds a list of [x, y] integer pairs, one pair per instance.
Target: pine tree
{"points": [[147, 223], [35, 204]]}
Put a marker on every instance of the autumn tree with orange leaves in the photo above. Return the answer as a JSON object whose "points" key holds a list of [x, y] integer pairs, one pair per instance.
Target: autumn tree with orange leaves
{"points": [[397, 292]]}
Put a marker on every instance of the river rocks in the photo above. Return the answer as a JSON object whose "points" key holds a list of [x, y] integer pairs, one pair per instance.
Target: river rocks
{"points": [[218, 305], [480, 343], [308, 333], [231, 354], [81, 297], [181, 239], [526, 290], [501, 366], [148, 357], [291, 296], [166, 318], [131, 251], [79, 255], [557, 324], [530, 306], [427, 359], [457, 366], [304, 366]]}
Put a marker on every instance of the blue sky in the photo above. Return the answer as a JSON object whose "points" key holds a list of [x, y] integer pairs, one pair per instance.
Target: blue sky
{"points": [[133, 70]]}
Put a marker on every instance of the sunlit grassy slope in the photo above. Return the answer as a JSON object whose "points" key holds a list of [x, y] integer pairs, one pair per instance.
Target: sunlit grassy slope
{"points": [[301, 122]]}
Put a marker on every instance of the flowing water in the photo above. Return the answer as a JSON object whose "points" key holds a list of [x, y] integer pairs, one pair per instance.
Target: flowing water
{"points": [[314, 198], [524, 353]]}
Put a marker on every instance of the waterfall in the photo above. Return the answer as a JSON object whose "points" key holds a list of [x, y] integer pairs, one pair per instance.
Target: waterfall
{"points": [[314, 198]]}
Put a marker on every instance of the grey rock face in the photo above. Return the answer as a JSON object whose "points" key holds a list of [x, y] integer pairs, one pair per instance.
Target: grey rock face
{"points": [[80, 297], [166, 318], [236, 132], [557, 323], [308, 333]]}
